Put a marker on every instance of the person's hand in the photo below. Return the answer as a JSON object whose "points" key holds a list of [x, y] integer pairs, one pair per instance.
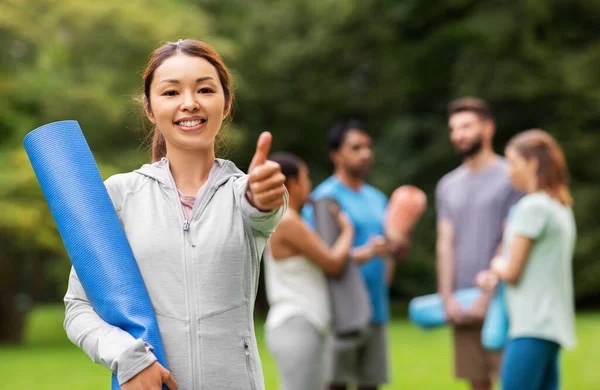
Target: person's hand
{"points": [[378, 246], [478, 310], [498, 265], [344, 221], [486, 280], [266, 187], [400, 248], [454, 313], [151, 378]]}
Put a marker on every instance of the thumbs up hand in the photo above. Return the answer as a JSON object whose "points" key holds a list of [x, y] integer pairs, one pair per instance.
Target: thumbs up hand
{"points": [[266, 182]]}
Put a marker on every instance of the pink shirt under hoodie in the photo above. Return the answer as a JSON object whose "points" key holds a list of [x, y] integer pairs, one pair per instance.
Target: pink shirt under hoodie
{"points": [[187, 202]]}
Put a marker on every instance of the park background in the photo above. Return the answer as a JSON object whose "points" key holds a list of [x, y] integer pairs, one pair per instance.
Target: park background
{"points": [[298, 65]]}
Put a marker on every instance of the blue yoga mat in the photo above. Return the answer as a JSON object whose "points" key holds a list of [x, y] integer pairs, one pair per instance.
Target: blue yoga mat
{"points": [[91, 231], [494, 334], [427, 312]]}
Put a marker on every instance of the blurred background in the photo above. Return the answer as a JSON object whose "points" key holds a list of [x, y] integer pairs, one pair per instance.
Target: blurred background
{"points": [[298, 66]]}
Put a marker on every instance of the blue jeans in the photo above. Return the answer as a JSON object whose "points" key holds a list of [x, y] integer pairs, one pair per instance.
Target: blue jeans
{"points": [[530, 364]]}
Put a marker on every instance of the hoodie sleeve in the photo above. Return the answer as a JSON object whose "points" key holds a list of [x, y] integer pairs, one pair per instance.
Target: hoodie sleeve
{"points": [[263, 222], [106, 344], [103, 343]]}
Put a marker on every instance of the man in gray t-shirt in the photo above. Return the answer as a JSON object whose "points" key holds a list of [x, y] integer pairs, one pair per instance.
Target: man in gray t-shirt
{"points": [[472, 204]]}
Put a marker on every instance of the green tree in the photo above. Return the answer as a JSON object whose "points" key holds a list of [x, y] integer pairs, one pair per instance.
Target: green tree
{"points": [[304, 63], [78, 60]]}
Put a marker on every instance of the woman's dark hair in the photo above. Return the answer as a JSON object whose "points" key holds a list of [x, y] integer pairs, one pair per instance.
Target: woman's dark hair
{"points": [[290, 164]]}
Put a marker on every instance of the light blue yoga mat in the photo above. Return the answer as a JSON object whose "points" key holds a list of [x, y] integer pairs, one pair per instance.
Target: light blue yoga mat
{"points": [[494, 334], [91, 231], [427, 312]]}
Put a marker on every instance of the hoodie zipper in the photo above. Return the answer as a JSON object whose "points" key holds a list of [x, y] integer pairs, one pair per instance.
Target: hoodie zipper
{"points": [[189, 278], [248, 364], [186, 232], [198, 208]]}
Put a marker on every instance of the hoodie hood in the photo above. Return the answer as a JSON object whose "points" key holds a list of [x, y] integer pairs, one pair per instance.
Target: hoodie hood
{"points": [[221, 172]]}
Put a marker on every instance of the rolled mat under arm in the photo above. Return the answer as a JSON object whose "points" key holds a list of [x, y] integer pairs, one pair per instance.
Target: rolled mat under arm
{"points": [[428, 312], [350, 304], [91, 231], [494, 334]]}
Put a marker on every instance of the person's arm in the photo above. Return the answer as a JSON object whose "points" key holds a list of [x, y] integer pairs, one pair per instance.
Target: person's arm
{"points": [[445, 272], [478, 310], [376, 246], [485, 282], [445, 258], [261, 195], [109, 345], [400, 248], [296, 234], [390, 269], [510, 271], [362, 253], [131, 359], [380, 246], [261, 221], [528, 223]]}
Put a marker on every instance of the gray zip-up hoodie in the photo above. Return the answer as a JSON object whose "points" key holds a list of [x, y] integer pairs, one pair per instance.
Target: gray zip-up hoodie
{"points": [[201, 275]]}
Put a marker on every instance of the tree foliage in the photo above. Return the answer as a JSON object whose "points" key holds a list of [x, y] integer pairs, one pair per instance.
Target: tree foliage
{"points": [[299, 65], [305, 63], [78, 60]]}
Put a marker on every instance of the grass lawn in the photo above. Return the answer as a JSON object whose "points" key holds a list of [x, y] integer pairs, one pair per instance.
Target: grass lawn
{"points": [[419, 360]]}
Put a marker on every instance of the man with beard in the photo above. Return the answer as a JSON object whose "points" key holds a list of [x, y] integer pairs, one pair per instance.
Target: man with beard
{"points": [[360, 359], [472, 204]]}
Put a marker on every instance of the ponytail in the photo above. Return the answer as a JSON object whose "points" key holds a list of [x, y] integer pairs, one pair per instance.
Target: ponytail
{"points": [[159, 146], [564, 195], [552, 174]]}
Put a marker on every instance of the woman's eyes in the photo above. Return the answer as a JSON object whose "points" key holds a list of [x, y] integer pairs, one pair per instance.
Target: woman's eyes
{"points": [[175, 93]]}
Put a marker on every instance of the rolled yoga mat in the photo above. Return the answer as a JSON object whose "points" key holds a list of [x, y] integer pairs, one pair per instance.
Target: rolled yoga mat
{"points": [[350, 304], [494, 333], [91, 231], [428, 313]]}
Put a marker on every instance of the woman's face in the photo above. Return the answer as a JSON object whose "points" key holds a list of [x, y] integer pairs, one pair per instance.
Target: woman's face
{"points": [[187, 103], [523, 172]]}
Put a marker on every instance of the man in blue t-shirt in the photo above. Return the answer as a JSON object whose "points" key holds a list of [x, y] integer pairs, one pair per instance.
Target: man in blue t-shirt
{"points": [[362, 359]]}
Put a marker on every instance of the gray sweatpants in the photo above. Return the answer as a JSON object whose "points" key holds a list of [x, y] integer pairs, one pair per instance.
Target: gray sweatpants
{"points": [[300, 352], [361, 359]]}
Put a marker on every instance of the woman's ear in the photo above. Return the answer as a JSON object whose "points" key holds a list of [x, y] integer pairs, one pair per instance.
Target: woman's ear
{"points": [[148, 111], [534, 165], [227, 110]]}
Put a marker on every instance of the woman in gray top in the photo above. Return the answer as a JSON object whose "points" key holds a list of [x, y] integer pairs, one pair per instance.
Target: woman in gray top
{"points": [[539, 241], [200, 265]]}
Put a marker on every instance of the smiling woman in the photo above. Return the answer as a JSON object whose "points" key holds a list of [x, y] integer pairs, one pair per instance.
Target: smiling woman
{"points": [[197, 226], [207, 76]]}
